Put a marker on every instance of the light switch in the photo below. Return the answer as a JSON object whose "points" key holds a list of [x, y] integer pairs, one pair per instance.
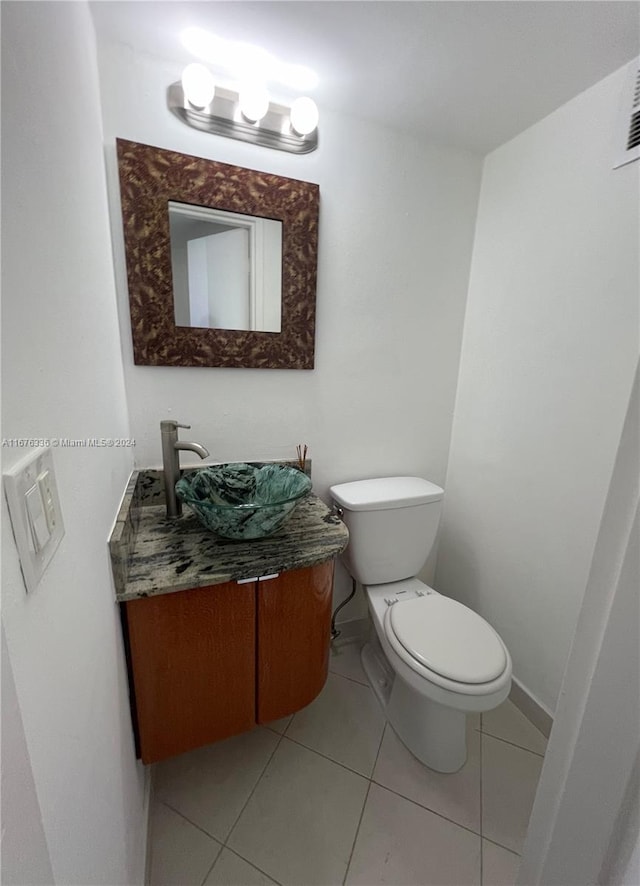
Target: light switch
{"points": [[37, 521], [44, 484], [34, 508]]}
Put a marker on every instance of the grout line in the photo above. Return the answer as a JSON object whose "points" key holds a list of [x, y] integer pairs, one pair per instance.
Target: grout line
{"points": [[253, 790], [213, 864], [286, 728], [384, 729], [275, 731], [330, 759], [351, 679], [355, 836], [513, 744], [254, 866], [502, 846], [195, 825], [364, 805], [427, 808]]}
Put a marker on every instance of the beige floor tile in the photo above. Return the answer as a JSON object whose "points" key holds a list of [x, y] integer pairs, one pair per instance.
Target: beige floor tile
{"points": [[210, 785], [499, 866], [455, 795], [507, 722], [231, 870], [345, 660], [181, 854], [509, 782], [401, 844], [301, 821], [344, 722]]}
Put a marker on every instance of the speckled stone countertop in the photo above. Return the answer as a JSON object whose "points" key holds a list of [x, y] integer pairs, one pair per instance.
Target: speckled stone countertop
{"points": [[152, 554]]}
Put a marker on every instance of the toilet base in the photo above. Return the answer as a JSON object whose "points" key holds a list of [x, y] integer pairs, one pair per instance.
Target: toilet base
{"points": [[435, 734]]}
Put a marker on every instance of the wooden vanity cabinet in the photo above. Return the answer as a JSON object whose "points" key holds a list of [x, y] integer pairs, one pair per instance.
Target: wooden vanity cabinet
{"points": [[294, 633], [192, 663], [211, 662]]}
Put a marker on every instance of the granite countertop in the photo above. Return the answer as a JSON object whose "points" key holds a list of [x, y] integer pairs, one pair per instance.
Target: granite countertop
{"points": [[152, 554]]}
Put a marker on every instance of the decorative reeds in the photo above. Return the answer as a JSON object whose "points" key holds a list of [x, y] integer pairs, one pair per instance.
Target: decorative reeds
{"points": [[302, 456]]}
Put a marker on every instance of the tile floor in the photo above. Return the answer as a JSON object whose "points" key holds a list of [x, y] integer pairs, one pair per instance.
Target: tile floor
{"points": [[330, 796]]}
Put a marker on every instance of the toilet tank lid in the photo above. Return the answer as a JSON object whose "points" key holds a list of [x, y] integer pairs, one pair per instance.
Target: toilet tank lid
{"points": [[385, 492]]}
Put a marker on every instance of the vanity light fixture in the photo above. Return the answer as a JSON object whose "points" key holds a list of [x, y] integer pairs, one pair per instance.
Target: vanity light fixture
{"points": [[247, 115]]}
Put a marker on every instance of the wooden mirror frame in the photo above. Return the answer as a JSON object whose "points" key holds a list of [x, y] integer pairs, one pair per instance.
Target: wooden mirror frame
{"points": [[151, 177]]}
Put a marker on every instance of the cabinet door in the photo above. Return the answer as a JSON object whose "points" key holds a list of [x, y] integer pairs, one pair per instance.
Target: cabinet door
{"points": [[294, 627], [192, 658]]}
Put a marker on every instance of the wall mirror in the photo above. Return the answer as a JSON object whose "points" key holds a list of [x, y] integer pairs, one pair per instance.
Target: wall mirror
{"points": [[226, 269], [221, 261]]}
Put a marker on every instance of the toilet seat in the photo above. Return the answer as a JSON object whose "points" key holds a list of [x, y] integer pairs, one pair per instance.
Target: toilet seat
{"points": [[447, 643]]}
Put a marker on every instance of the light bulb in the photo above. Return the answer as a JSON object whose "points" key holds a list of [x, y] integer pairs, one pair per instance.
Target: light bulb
{"points": [[254, 102], [198, 85], [304, 115]]}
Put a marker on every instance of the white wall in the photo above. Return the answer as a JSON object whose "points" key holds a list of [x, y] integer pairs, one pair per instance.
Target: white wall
{"points": [[25, 856], [549, 350], [62, 376], [584, 822], [396, 228]]}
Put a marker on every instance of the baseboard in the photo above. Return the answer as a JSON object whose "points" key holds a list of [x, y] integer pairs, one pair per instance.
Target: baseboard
{"points": [[357, 630], [533, 709]]}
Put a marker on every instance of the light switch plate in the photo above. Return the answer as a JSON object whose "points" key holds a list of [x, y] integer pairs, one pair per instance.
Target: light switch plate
{"points": [[34, 508]]}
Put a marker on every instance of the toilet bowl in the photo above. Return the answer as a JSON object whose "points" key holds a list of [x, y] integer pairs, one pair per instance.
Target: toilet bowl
{"points": [[430, 660]]}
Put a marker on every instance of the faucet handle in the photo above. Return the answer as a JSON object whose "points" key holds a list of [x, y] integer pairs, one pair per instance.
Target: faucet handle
{"points": [[170, 423]]}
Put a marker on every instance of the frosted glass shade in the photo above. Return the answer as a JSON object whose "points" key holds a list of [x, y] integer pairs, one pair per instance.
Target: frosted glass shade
{"points": [[198, 85], [304, 115], [254, 102]]}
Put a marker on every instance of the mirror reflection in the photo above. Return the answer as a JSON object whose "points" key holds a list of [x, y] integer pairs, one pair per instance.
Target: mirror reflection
{"points": [[227, 269]]}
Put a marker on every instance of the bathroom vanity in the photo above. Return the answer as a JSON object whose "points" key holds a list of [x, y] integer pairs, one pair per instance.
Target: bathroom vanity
{"points": [[220, 635]]}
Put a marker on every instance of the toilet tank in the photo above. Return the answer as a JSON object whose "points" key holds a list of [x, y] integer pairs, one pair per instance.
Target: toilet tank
{"points": [[392, 523]]}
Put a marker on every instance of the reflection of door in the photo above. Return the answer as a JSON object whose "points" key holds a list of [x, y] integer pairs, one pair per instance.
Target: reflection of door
{"points": [[226, 268], [219, 280]]}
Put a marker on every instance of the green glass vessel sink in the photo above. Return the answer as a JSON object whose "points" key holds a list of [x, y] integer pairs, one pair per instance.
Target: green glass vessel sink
{"points": [[243, 501]]}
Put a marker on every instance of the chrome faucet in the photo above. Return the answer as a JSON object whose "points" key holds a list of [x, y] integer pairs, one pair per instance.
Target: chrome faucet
{"points": [[171, 447]]}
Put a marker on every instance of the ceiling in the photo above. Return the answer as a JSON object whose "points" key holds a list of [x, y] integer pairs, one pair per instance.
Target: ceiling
{"points": [[467, 74]]}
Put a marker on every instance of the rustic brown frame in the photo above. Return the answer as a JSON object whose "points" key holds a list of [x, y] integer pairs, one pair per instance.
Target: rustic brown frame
{"points": [[149, 178]]}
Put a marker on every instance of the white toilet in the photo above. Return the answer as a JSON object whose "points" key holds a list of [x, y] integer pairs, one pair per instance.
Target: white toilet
{"points": [[432, 660]]}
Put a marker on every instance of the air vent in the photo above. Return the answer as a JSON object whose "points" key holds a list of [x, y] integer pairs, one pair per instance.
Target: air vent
{"points": [[630, 118], [634, 131]]}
